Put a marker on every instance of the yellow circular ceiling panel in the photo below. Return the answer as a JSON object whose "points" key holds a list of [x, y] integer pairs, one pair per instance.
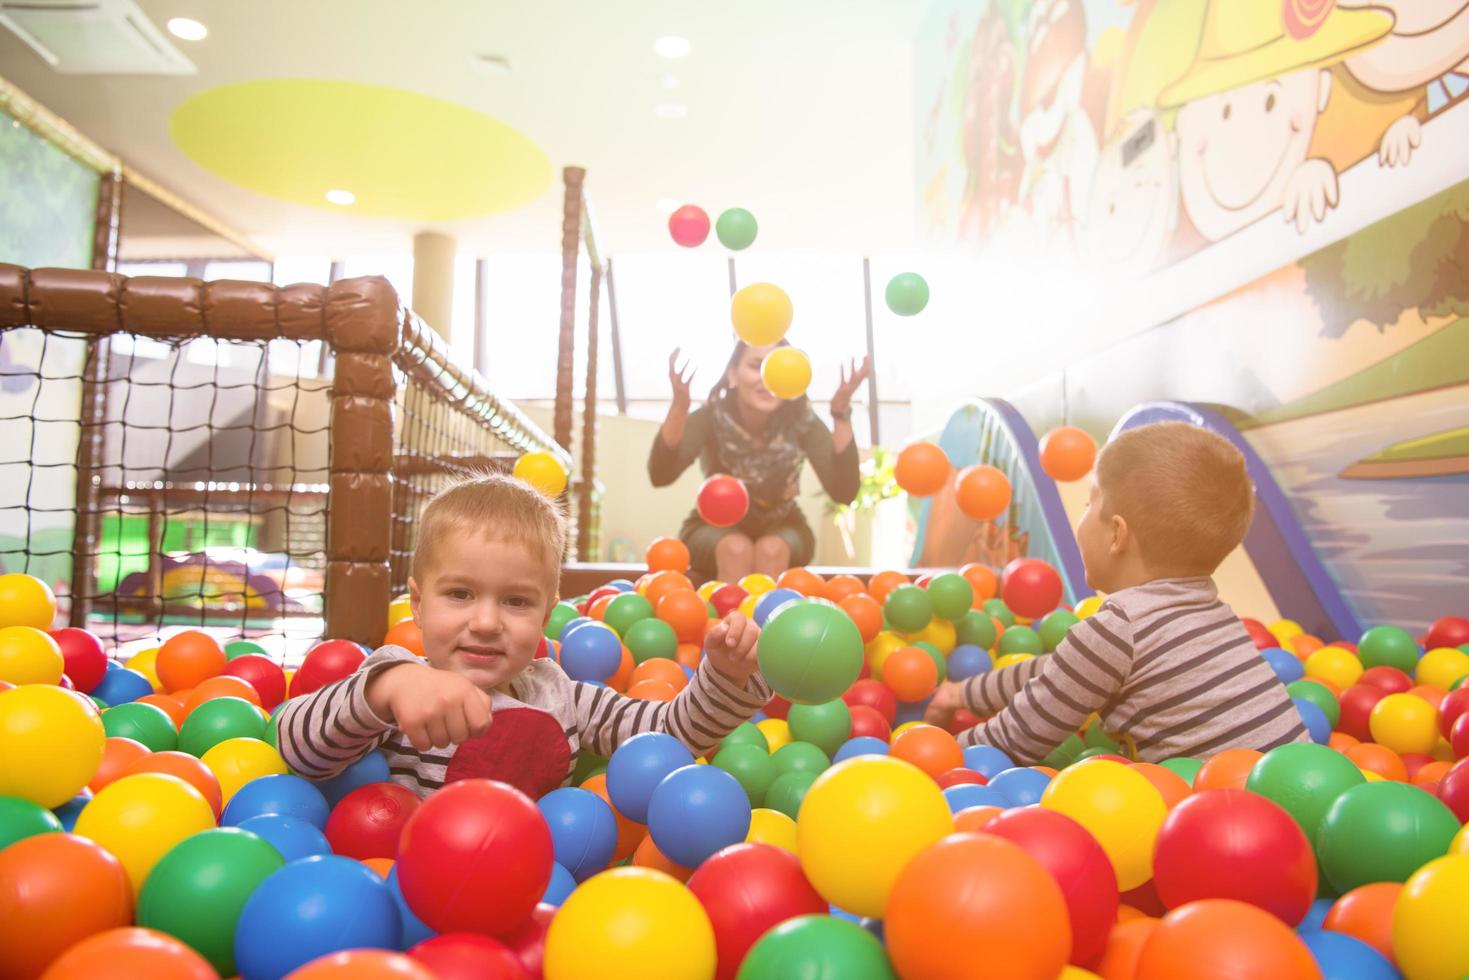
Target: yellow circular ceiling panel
{"points": [[400, 154]]}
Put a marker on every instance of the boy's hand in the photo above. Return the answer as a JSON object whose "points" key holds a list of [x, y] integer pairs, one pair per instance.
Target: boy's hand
{"points": [[948, 699], [433, 708], [730, 646]]}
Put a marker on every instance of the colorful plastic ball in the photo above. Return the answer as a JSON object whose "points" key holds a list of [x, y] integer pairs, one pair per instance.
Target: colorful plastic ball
{"points": [[797, 756], [952, 596], [627, 610], [1287, 666], [908, 608], [987, 760], [772, 827], [767, 604], [751, 766], [293, 837], [20, 819], [414, 930], [650, 638], [761, 314], [140, 818], [187, 659], [689, 225], [467, 956], [144, 723], [931, 749], [1221, 939], [827, 725], [475, 837], [982, 492], [1343, 957], [1315, 720], [966, 661], [1389, 680], [29, 656], [788, 791], [263, 674], [697, 810], [859, 746], [371, 768], [1404, 723], [786, 372], [632, 923], [591, 654], [638, 766], [121, 686], [236, 761], [1018, 640], [185, 767], [967, 795], [245, 648], [810, 653], [722, 501], [817, 946], [736, 229], [1382, 831], [1021, 785], [328, 661], [1067, 453], [51, 743], [285, 794], [1388, 646], [369, 820], [68, 812], [906, 294], [117, 755], [1335, 665], [83, 655], [130, 952], [1448, 631], [1440, 667], [1317, 694], [26, 601], [1304, 780], [1054, 627], [215, 721], [922, 468], [747, 889], [1430, 923], [910, 674], [364, 964], [583, 830], [776, 731], [1119, 807], [56, 889], [1031, 587], [561, 885], [542, 470]]}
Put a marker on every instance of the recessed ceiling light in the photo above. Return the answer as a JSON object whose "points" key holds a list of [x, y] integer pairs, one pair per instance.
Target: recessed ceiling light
{"points": [[341, 197], [669, 82], [670, 110], [672, 46], [667, 205], [187, 29]]}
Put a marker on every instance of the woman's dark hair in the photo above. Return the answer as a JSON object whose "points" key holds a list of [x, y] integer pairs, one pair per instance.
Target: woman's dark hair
{"points": [[783, 417]]}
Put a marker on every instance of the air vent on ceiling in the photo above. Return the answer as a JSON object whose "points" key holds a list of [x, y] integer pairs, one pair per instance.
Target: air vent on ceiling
{"points": [[94, 37]]}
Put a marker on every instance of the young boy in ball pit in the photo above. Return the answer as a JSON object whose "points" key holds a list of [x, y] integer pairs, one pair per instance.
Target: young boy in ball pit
{"points": [[1168, 667], [485, 576]]}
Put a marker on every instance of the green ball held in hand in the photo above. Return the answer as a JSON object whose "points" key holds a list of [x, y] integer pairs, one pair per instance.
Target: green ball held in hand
{"points": [[952, 595], [908, 608], [736, 229], [907, 294], [810, 653], [825, 726]]}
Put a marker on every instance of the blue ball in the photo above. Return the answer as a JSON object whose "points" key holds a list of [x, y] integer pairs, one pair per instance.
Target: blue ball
{"points": [[911, 711], [414, 931], [294, 838], [591, 654], [561, 885], [371, 768], [861, 745], [583, 830], [1287, 666], [121, 686], [965, 795], [986, 760], [638, 766], [841, 913], [772, 600], [967, 660], [1021, 787], [622, 585], [696, 811], [309, 908], [1316, 914], [1316, 721], [68, 812], [1343, 957], [284, 794], [572, 625]]}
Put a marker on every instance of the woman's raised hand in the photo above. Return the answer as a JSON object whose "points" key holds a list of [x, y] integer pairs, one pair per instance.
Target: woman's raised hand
{"points": [[852, 374], [680, 376]]}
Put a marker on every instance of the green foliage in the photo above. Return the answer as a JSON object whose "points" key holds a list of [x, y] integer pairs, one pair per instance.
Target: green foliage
{"points": [[878, 482]]}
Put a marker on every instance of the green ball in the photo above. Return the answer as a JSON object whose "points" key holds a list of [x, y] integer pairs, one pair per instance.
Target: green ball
{"points": [[197, 890], [20, 818], [1019, 639], [648, 639], [243, 648], [1460, 682], [561, 614], [952, 595], [147, 723], [625, 610], [1185, 766], [1053, 628], [825, 725], [938, 658], [1093, 752], [907, 294], [818, 947], [1304, 779], [751, 765], [1317, 695], [998, 609], [736, 229], [1096, 737], [787, 792], [1382, 831], [1388, 646], [908, 608], [748, 734], [811, 652], [800, 757], [101, 705], [588, 764], [218, 719], [976, 629], [1065, 754]]}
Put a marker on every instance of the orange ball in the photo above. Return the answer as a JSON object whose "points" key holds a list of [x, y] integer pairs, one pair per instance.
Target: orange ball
{"points": [[188, 659], [647, 855], [884, 582], [931, 749], [1366, 913], [866, 612], [623, 676], [630, 833], [652, 690], [803, 580], [383, 866], [1067, 453], [1169, 784], [1341, 741], [406, 635], [169, 705], [1305, 644], [1227, 770], [131, 952], [598, 609], [55, 891], [117, 754], [922, 468], [667, 555], [1222, 939], [1431, 772], [1124, 945], [972, 819], [689, 655], [364, 964], [910, 673], [659, 669], [1433, 695], [223, 686], [982, 492], [1379, 759], [686, 613], [838, 587], [186, 767], [983, 580], [666, 583]]}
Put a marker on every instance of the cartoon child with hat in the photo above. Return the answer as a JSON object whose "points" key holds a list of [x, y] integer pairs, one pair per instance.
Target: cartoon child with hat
{"points": [[1247, 109]]}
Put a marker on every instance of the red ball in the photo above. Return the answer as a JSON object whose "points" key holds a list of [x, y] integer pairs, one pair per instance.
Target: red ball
{"points": [[368, 821], [726, 599], [959, 777], [777, 707], [867, 721], [723, 501], [876, 695], [748, 889], [1261, 636], [85, 659], [1230, 843], [689, 226], [1459, 737], [1074, 858], [963, 720], [1031, 587], [1451, 631], [543, 648], [1453, 789], [478, 838], [1390, 680], [263, 674], [328, 661], [468, 956], [528, 941], [1357, 703], [1454, 704]]}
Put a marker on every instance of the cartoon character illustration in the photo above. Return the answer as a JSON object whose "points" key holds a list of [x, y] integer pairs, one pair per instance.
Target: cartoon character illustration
{"points": [[1133, 207], [987, 127], [1247, 109]]}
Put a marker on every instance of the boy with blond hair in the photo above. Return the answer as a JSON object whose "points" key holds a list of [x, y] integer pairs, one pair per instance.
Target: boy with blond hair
{"points": [[1168, 667], [485, 576]]}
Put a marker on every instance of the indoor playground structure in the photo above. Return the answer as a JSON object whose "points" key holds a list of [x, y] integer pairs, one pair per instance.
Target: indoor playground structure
{"points": [[1249, 218]]}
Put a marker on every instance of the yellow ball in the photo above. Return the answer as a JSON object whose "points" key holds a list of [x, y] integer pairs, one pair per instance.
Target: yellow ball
{"points": [[1089, 605], [1011, 659], [29, 656], [709, 588], [747, 606], [1404, 723], [145, 662], [907, 725], [542, 471], [786, 372], [1460, 843], [1443, 751], [761, 314], [757, 583], [51, 743], [399, 610], [1430, 922], [1442, 666], [772, 827], [777, 733], [236, 761], [1077, 973], [1119, 807], [1340, 667], [861, 823], [1372, 777], [630, 924], [26, 601], [140, 818], [1285, 629], [882, 646], [940, 632]]}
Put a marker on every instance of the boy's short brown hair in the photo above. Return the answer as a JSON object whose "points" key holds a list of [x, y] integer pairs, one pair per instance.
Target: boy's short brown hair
{"points": [[499, 507], [1183, 490]]}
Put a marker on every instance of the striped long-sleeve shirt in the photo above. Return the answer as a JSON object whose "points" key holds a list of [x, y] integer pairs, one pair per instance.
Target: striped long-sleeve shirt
{"points": [[321, 733], [1168, 668]]}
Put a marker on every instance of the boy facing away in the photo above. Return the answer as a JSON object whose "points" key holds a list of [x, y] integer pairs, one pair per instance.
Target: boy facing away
{"points": [[485, 576], [1168, 668]]}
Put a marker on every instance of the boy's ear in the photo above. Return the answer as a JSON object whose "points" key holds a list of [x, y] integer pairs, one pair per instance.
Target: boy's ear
{"points": [[414, 597], [1121, 534]]}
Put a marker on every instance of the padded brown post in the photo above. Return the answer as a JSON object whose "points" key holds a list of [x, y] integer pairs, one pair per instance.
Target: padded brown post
{"points": [[566, 346], [585, 526]]}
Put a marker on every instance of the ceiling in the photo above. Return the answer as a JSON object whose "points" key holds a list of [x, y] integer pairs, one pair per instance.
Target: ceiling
{"points": [[798, 110]]}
